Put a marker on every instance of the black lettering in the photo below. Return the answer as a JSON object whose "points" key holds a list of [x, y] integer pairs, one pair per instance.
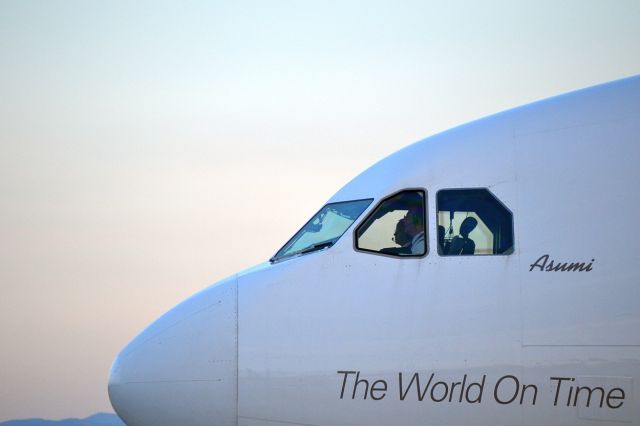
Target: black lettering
{"points": [[559, 380], [480, 387], [543, 263], [590, 391], [515, 392], [588, 268], [575, 267], [556, 268], [344, 380], [537, 263], [610, 396], [416, 378], [453, 386], [524, 391], [464, 381], [357, 383], [444, 395], [383, 389]]}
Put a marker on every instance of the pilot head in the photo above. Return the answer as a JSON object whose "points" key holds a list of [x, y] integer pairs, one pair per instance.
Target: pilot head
{"points": [[467, 225], [400, 236], [413, 221]]}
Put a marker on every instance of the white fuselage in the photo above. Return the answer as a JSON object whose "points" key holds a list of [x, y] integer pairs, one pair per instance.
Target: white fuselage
{"points": [[549, 334]]}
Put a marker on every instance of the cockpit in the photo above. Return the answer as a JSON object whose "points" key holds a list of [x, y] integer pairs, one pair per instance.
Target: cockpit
{"points": [[324, 228], [469, 221]]}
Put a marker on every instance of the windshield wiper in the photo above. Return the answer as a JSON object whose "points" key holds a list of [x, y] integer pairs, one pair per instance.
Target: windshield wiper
{"points": [[314, 247], [318, 246]]}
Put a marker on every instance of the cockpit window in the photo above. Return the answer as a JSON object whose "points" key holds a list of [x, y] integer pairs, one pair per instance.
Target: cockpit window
{"points": [[396, 227], [324, 229], [473, 222]]}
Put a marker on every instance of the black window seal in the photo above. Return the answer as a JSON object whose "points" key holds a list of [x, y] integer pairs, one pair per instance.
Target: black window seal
{"points": [[273, 259], [425, 194], [513, 233]]}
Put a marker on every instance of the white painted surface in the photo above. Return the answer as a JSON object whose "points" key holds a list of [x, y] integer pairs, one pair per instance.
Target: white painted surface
{"points": [[182, 368], [565, 167]]}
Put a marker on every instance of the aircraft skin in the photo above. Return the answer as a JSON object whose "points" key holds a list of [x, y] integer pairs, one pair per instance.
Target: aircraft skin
{"points": [[341, 337]]}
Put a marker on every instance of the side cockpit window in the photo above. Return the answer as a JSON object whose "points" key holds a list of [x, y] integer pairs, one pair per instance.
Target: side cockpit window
{"points": [[473, 222], [396, 227], [324, 228]]}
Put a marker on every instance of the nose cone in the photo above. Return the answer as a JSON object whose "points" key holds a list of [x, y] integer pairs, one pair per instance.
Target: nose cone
{"points": [[182, 369]]}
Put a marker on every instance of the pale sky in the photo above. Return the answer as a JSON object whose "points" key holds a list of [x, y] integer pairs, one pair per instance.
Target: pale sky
{"points": [[148, 149]]}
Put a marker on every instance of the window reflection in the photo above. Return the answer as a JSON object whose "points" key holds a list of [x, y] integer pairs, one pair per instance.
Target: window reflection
{"points": [[473, 222], [324, 228], [396, 227]]}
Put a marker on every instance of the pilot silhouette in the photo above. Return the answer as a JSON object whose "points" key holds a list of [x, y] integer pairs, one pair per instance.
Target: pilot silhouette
{"points": [[462, 244], [414, 227]]}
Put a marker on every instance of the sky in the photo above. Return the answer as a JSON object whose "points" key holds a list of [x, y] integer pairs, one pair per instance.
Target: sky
{"points": [[151, 148]]}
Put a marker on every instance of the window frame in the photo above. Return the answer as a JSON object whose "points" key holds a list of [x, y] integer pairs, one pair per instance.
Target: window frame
{"points": [[500, 202], [274, 260], [373, 209]]}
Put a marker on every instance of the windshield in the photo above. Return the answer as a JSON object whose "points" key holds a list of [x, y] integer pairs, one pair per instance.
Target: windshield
{"points": [[324, 229]]}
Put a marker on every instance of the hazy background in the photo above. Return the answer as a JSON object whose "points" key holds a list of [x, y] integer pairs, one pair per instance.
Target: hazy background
{"points": [[148, 149]]}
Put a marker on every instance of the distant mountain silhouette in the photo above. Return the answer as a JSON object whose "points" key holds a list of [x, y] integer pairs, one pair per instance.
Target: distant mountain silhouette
{"points": [[100, 419]]}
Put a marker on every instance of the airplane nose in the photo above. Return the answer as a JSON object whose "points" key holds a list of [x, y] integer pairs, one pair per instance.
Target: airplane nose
{"points": [[182, 369]]}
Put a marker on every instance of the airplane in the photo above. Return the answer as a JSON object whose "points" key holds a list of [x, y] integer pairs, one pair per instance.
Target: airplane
{"points": [[486, 275]]}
